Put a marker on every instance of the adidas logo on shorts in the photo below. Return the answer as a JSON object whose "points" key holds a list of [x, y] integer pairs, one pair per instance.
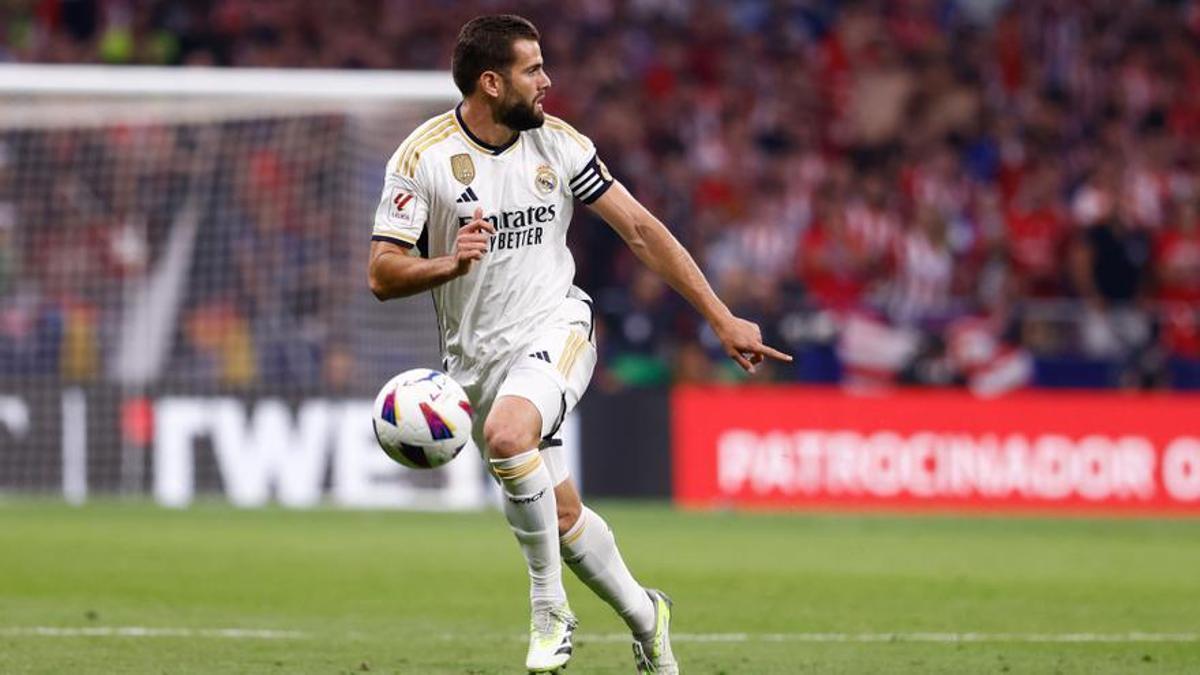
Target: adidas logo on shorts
{"points": [[543, 355]]}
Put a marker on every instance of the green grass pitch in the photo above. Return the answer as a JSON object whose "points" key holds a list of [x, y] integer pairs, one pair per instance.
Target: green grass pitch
{"points": [[446, 593]]}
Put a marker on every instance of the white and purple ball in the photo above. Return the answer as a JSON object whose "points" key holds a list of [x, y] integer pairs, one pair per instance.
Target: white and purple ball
{"points": [[422, 418]]}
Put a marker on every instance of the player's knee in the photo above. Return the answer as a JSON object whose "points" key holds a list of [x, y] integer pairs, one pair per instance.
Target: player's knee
{"points": [[505, 439], [568, 515]]}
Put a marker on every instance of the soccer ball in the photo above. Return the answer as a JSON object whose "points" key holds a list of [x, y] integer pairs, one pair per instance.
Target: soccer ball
{"points": [[422, 418]]}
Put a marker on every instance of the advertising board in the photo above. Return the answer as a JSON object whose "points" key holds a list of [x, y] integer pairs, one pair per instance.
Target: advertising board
{"points": [[799, 447]]}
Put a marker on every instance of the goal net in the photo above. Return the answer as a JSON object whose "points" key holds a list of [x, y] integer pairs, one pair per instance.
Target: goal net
{"points": [[183, 299]]}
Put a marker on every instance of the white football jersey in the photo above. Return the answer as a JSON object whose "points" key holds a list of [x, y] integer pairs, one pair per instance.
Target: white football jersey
{"points": [[437, 178]]}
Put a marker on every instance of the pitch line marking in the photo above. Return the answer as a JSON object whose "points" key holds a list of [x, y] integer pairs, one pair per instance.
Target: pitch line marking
{"points": [[929, 637], [944, 638], [144, 632]]}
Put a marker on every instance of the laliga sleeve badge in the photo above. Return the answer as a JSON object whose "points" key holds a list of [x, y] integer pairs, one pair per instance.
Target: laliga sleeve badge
{"points": [[546, 181], [401, 202], [463, 168]]}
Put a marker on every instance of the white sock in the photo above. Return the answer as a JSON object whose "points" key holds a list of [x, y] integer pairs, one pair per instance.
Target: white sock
{"points": [[530, 508], [590, 550]]}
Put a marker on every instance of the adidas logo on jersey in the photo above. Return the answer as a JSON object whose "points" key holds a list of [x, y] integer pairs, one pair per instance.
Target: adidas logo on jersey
{"points": [[543, 355], [467, 196]]}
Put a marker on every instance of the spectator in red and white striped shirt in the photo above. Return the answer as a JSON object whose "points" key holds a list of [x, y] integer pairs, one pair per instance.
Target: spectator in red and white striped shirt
{"points": [[919, 292]]}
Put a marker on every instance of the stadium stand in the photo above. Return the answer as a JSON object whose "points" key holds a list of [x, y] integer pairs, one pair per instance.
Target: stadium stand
{"points": [[988, 193]]}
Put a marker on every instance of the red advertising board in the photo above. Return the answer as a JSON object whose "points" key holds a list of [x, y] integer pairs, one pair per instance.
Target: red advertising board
{"points": [[793, 447]]}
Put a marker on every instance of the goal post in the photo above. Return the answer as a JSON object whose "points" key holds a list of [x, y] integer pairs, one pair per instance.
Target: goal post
{"points": [[183, 301], [262, 84]]}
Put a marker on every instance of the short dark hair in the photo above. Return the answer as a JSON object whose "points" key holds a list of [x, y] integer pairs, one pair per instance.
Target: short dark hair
{"points": [[486, 43]]}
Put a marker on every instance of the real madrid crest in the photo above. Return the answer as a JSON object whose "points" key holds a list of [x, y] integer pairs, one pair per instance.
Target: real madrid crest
{"points": [[463, 168], [546, 181]]}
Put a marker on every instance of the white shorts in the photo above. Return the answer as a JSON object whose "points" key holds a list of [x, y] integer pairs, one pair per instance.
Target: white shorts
{"points": [[551, 371]]}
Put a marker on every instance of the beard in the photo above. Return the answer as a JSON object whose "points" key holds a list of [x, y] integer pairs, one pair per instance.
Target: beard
{"points": [[519, 115]]}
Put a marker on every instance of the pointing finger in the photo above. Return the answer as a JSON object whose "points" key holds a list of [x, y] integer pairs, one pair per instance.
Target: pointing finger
{"points": [[774, 353]]}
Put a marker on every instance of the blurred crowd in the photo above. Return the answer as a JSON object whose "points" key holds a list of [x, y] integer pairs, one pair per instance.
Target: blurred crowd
{"points": [[981, 192], [224, 230]]}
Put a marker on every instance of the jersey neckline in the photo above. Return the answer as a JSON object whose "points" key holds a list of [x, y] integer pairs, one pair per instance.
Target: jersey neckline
{"points": [[494, 149]]}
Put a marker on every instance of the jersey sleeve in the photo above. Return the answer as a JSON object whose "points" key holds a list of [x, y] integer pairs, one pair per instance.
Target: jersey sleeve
{"points": [[402, 212], [589, 176]]}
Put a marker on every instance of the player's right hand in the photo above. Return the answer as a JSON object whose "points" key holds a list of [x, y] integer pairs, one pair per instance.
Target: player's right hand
{"points": [[472, 242]]}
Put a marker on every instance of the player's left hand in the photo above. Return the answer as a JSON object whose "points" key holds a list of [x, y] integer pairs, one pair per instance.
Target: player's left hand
{"points": [[742, 341]]}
